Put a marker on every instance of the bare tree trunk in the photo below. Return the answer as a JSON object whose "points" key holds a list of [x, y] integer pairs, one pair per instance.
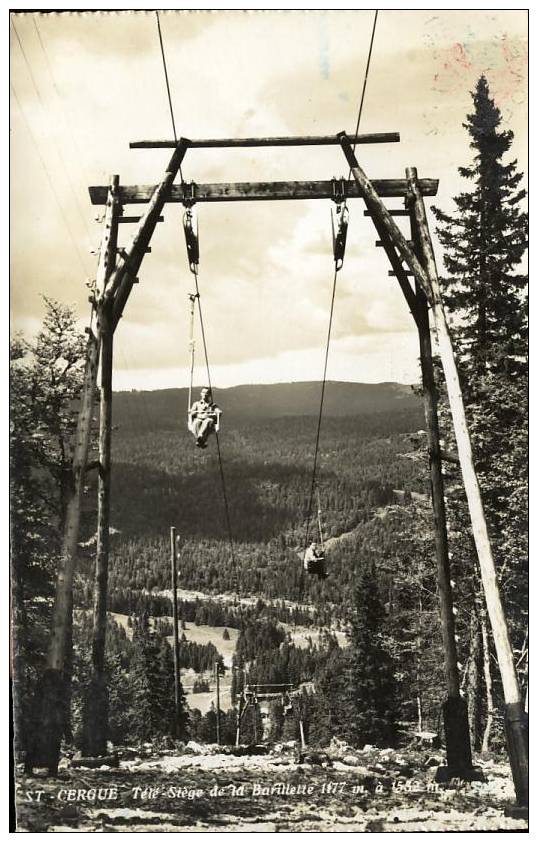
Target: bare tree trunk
{"points": [[487, 678]]}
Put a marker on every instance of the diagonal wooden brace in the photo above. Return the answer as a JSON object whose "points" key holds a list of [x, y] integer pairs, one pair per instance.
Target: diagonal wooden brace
{"points": [[122, 280], [380, 214]]}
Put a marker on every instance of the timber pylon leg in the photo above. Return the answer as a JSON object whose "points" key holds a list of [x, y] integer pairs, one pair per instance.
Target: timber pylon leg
{"points": [[516, 725], [96, 709], [516, 741], [459, 757], [455, 716], [426, 278]]}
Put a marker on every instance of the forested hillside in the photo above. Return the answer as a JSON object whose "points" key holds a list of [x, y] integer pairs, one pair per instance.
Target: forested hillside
{"points": [[293, 399], [162, 479]]}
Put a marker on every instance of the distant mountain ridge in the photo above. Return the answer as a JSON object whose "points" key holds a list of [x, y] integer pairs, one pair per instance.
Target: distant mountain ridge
{"points": [[293, 399]]}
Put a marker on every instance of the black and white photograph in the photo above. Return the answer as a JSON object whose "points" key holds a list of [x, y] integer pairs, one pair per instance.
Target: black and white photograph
{"points": [[268, 420]]}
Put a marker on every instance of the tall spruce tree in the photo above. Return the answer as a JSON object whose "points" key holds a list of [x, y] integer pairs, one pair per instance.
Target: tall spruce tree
{"points": [[371, 686], [484, 244], [328, 712], [152, 714]]}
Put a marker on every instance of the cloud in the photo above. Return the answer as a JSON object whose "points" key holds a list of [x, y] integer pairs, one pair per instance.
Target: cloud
{"points": [[387, 357], [266, 268]]}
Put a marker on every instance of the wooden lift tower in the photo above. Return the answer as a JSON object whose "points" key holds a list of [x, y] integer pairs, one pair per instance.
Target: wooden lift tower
{"points": [[410, 257]]}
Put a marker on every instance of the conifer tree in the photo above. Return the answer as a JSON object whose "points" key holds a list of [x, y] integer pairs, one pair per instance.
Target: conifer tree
{"points": [[46, 377], [152, 687], [141, 716], [484, 243], [371, 692], [118, 698], [328, 713]]}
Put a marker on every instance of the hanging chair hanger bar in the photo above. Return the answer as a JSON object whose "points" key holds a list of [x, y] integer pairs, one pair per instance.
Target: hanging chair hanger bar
{"points": [[275, 191], [270, 141]]}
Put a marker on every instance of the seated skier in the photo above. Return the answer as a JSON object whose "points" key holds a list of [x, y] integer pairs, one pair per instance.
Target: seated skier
{"points": [[314, 560], [203, 418]]}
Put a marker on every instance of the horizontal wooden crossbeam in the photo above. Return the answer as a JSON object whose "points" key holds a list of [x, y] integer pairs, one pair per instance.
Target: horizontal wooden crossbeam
{"points": [[269, 141], [279, 191]]}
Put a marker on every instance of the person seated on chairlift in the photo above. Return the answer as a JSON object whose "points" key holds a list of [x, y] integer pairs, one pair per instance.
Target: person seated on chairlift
{"points": [[314, 559], [203, 418]]}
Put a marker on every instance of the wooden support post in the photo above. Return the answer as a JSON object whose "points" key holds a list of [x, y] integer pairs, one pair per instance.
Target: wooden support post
{"points": [[175, 619], [126, 270], [516, 722], [459, 758], [96, 710], [96, 717], [255, 721], [50, 703], [239, 716], [438, 500], [455, 716], [217, 678]]}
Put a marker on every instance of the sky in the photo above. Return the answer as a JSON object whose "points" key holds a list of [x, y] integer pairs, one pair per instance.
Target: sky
{"points": [[83, 85]]}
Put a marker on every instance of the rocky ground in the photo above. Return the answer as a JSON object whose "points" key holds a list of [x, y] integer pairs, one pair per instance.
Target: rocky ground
{"points": [[207, 789]]}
